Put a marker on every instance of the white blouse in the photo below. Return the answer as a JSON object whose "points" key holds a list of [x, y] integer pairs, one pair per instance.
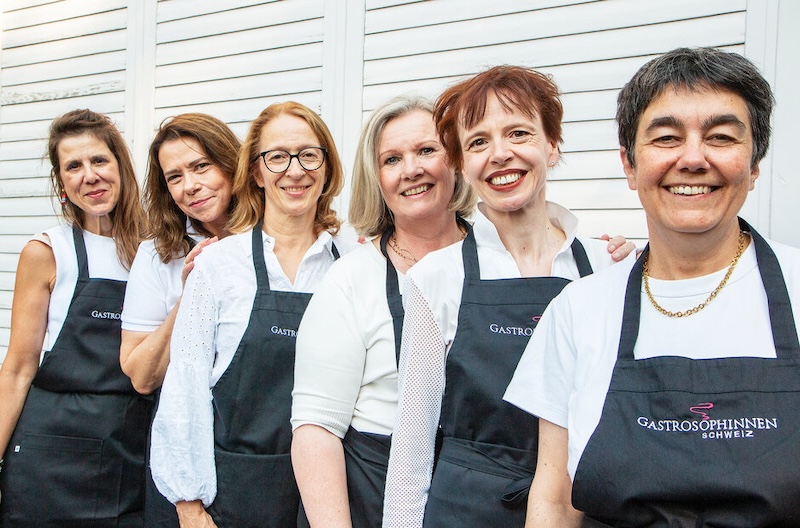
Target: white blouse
{"points": [[213, 316]]}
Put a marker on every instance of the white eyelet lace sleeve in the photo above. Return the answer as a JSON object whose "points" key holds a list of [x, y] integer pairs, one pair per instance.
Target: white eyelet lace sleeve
{"points": [[421, 381], [182, 445]]}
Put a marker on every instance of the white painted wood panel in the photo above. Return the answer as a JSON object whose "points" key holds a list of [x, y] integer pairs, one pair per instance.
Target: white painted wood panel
{"points": [[64, 69], [178, 9], [539, 24], [51, 11], [588, 47], [82, 46], [240, 111], [66, 29], [231, 21], [408, 14], [242, 64], [107, 103], [254, 86], [240, 42], [17, 188]]}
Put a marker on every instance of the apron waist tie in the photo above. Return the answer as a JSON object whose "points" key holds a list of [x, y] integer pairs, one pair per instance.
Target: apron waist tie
{"points": [[373, 447], [486, 458]]}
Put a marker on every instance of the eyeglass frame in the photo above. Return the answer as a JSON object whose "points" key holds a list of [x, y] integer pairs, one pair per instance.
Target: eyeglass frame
{"points": [[263, 156]]}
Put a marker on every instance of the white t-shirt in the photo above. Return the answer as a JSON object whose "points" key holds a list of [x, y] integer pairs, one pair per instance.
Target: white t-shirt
{"points": [[432, 300], [212, 318], [103, 263], [346, 367], [564, 373], [153, 288]]}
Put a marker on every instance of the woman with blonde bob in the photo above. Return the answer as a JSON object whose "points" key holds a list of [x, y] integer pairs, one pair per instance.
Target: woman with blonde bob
{"points": [[221, 435], [407, 199], [188, 193], [73, 429]]}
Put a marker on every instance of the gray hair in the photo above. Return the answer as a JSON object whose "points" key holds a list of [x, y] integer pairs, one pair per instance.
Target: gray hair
{"points": [[368, 212], [696, 69]]}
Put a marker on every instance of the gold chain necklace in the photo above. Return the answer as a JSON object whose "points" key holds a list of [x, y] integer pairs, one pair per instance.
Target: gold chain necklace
{"points": [[710, 298], [404, 254], [407, 255]]}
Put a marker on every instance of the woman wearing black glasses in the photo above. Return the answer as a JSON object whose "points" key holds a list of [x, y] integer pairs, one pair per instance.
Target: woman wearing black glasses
{"points": [[221, 437]]}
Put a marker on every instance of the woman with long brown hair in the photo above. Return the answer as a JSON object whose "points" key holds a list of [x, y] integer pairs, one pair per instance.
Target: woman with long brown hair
{"points": [[188, 195], [221, 435], [73, 429]]}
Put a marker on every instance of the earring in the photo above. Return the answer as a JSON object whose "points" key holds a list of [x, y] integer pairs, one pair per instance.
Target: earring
{"points": [[552, 163], [63, 197]]}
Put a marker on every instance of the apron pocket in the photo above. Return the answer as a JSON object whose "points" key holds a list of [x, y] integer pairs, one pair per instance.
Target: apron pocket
{"points": [[254, 491], [57, 478]]}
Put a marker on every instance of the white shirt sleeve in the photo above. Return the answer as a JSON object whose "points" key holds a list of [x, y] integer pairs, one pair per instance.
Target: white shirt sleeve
{"points": [[148, 299], [330, 359], [182, 449], [421, 384]]}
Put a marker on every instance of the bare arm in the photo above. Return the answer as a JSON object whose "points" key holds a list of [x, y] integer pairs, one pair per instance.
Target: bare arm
{"points": [[318, 461], [36, 275], [191, 514], [550, 499], [144, 356]]}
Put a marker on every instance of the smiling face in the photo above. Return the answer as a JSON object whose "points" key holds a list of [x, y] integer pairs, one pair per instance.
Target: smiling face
{"points": [[294, 192], [506, 156], [200, 189], [89, 174], [692, 161], [416, 182]]}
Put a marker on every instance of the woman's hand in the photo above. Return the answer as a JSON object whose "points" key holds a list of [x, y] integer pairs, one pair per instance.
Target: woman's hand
{"points": [[188, 262], [618, 247], [191, 514]]}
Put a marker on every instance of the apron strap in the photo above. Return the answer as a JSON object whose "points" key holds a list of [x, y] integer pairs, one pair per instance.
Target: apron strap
{"points": [[80, 251], [393, 297], [784, 330], [469, 254], [581, 260], [262, 277]]}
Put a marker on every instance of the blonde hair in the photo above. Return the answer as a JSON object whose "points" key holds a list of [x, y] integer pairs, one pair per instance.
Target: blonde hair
{"points": [[250, 204], [369, 215]]}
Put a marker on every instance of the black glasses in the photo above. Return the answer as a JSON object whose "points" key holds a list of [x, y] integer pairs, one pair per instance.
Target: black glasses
{"points": [[310, 158]]}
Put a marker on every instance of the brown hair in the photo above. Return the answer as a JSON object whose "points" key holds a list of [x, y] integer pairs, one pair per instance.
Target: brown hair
{"points": [[167, 221], [250, 197], [130, 229], [525, 89]]}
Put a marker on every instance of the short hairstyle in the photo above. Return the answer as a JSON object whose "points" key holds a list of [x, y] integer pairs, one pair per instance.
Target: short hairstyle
{"points": [[167, 221], [250, 197], [368, 214], [696, 69], [525, 89], [127, 218]]}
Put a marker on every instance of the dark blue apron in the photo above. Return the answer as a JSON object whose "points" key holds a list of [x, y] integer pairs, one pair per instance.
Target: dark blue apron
{"points": [[489, 449], [252, 408], [724, 445], [76, 457]]}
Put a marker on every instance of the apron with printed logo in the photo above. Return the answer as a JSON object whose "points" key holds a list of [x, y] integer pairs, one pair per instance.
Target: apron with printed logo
{"points": [[489, 448], [252, 407], [712, 442], [76, 457]]}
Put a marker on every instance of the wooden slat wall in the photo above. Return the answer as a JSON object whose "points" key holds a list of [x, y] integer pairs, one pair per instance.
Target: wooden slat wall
{"points": [[233, 58], [591, 49], [56, 56]]}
